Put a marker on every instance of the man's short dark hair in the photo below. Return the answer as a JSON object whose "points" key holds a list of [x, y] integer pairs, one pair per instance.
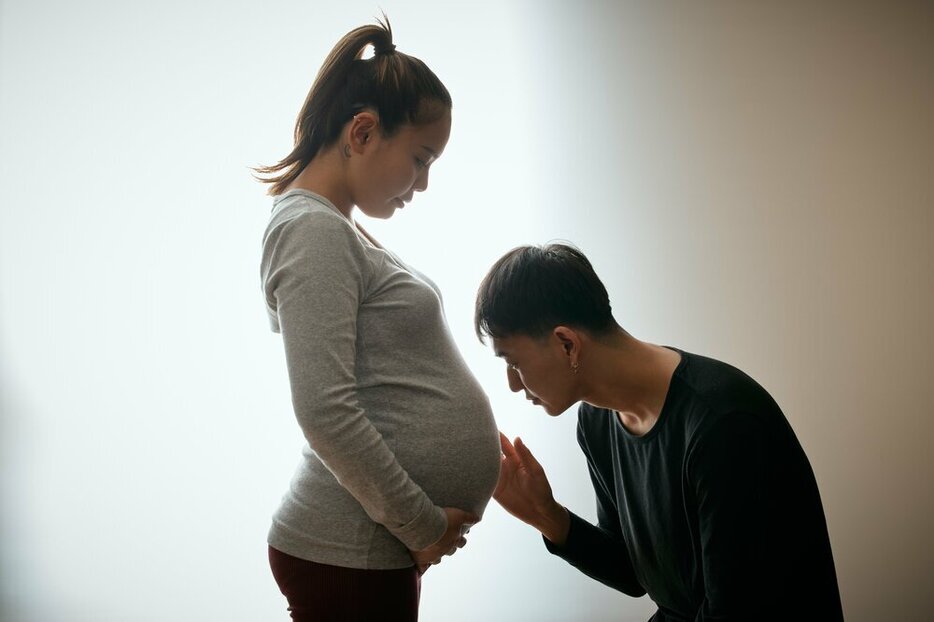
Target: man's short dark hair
{"points": [[532, 289]]}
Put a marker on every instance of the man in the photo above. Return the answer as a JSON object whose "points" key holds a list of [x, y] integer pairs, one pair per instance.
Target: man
{"points": [[705, 499]]}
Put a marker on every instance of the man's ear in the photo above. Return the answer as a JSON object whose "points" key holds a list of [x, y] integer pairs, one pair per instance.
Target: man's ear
{"points": [[570, 340], [362, 130]]}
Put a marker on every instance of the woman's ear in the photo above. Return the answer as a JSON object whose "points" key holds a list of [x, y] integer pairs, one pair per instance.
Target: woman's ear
{"points": [[362, 131]]}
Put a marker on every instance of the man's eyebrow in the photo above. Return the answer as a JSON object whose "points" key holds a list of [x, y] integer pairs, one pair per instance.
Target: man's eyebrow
{"points": [[433, 153], [499, 353]]}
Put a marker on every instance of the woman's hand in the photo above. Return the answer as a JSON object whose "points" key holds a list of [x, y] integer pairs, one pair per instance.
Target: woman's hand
{"points": [[523, 491], [459, 523]]}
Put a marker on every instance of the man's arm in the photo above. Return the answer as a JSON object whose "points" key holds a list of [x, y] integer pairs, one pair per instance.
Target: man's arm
{"points": [[726, 473], [523, 491]]}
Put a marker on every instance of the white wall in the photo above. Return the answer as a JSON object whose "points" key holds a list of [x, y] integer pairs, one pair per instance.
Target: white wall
{"points": [[752, 180]]}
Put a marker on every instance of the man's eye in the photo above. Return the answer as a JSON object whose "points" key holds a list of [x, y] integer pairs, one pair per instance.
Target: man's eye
{"points": [[512, 366], [419, 163]]}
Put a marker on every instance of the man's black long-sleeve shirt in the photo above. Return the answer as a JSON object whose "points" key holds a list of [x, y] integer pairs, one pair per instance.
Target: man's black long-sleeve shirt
{"points": [[715, 512]]}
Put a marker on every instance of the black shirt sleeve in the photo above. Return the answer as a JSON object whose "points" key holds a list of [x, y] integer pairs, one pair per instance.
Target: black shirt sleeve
{"points": [[727, 475], [599, 551]]}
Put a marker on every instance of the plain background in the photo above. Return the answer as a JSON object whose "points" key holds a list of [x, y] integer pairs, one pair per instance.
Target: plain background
{"points": [[753, 180]]}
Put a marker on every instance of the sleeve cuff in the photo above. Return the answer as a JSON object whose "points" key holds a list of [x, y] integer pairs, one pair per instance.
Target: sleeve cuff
{"points": [[424, 530], [561, 551]]}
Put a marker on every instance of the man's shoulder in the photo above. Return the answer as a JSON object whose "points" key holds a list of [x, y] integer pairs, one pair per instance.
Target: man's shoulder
{"points": [[726, 403], [720, 386]]}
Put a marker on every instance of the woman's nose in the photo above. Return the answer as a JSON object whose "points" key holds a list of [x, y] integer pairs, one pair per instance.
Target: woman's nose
{"points": [[512, 377]]}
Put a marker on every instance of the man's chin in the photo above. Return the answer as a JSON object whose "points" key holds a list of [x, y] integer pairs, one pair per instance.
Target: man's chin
{"points": [[553, 411], [549, 410]]}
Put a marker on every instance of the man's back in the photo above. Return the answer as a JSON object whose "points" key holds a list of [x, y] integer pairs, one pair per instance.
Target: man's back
{"points": [[716, 506]]}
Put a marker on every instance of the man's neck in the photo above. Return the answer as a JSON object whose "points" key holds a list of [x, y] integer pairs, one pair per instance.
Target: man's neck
{"points": [[631, 378]]}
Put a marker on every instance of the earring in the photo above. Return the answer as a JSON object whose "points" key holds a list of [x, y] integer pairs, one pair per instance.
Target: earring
{"points": [[575, 366], [347, 150]]}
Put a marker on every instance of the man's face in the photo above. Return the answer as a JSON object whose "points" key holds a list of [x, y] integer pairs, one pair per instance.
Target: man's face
{"points": [[540, 368]]}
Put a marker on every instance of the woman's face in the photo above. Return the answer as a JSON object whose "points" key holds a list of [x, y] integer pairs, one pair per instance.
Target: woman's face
{"points": [[393, 168]]}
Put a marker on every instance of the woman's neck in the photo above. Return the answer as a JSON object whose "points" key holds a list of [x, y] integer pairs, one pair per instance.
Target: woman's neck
{"points": [[325, 176]]}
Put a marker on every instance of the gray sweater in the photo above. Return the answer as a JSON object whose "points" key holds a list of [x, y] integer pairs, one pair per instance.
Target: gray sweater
{"points": [[396, 425]]}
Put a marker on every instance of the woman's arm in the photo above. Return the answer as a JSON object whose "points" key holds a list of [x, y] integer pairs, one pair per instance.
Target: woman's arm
{"points": [[316, 270]]}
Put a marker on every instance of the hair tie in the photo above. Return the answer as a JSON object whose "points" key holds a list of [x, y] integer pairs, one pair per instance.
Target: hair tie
{"points": [[388, 49]]}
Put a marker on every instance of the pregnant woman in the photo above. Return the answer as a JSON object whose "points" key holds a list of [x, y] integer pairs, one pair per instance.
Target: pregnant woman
{"points": [[402, 450]]}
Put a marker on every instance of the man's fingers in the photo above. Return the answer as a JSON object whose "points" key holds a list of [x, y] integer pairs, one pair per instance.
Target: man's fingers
{"points": [[528, 460], [508, 450], [507, 467]]}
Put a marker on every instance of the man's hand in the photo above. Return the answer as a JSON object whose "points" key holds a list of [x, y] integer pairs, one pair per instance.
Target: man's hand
{"points": [[459, 523], [523, 491]]}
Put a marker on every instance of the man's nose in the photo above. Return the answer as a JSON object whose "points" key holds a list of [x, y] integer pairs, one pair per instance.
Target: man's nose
{"points": [[421, 184], [515, 383]]}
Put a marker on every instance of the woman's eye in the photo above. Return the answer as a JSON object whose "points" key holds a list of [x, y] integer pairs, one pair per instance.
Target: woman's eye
{"points": [[419, 163], [512, 366]]}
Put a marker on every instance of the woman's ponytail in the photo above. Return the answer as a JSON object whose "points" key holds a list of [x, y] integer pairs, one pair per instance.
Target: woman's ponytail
{"points": [[400, 88]]}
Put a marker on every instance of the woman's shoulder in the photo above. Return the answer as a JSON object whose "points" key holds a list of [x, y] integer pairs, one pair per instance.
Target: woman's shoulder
{"points": [[311, 236], [305, 206], [300, 216]]}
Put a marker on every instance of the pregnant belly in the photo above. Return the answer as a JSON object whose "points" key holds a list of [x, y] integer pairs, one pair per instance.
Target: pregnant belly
{"points": [[455, 460]]}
